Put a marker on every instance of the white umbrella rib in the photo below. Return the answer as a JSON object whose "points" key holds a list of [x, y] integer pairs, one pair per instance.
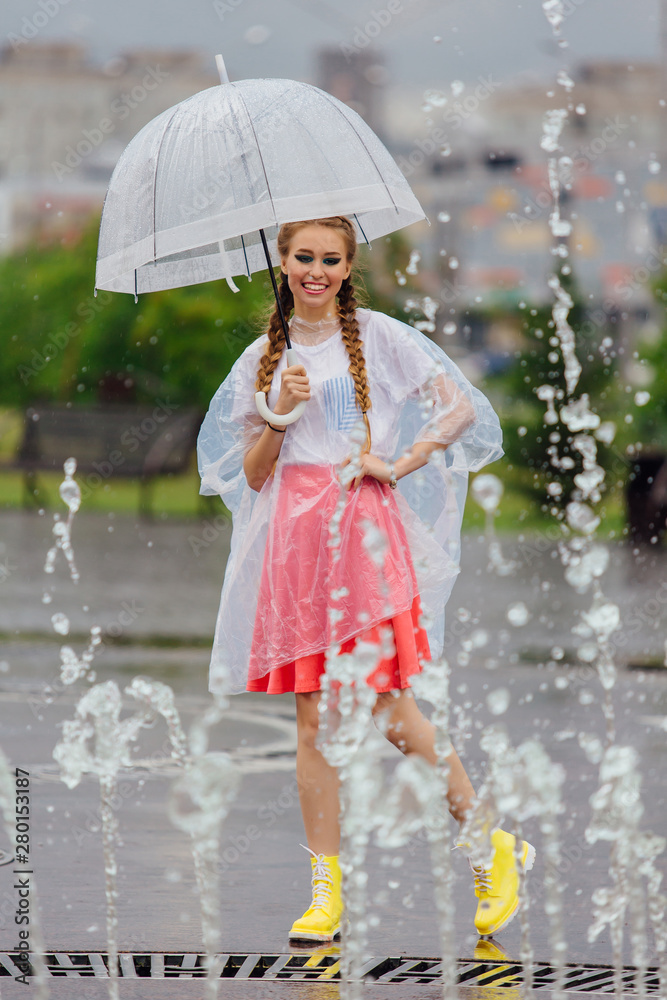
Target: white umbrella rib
{"points": [[157, 163], [368, 152], [259, 152]]}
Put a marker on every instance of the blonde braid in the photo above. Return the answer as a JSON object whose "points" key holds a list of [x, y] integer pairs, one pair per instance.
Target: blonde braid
{"points": [[347, 310], [276, 342]]}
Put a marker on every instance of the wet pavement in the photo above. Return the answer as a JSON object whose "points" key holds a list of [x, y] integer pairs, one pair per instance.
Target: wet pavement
{"points": [[154, 589]]}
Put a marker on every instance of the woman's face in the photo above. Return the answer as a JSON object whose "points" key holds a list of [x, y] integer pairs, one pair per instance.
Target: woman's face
{"points": [[315, 266]]}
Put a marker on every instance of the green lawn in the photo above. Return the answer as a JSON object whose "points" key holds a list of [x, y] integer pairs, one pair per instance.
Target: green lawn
{"points": [[178, 496]]}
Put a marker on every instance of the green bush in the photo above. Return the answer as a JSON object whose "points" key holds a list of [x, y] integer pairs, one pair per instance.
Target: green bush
{"points": [[538, 362]]}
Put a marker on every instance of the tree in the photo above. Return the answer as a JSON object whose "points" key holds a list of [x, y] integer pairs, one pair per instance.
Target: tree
{"points": [[538, 362]]}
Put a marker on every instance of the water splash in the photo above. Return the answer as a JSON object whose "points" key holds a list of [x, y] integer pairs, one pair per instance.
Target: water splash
{"points": [[429, 307], [432, 685], [616, 813], [487, 491], [199, 803], [412, 265], [72, 667], [200, 800], [346, 714], [97, 742], [159, 698], [555, 14], [523, 783], [62, 530], [565, 333]]}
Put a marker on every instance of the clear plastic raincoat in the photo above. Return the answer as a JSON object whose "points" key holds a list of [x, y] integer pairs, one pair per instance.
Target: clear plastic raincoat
{"points": [[283, 570]]}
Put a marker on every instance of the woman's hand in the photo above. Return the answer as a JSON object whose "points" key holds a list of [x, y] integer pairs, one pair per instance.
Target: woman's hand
{"points": [[371, 465], [294, 387]]}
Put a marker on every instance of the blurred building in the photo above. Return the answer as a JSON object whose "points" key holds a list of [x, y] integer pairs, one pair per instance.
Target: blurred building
{"points": [[358, 78], [481, 172], [64, 123]]}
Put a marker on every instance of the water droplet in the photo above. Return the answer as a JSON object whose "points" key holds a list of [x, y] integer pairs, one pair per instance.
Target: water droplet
{"points": [[479, 638], [257, 34], [498, 701], [487, 490], [70, 494], [60, 623], [606, 432], [518, 614], [435, 98], [449, 328], [415, 257], [581, 517], [642, 398], [444, 216]]}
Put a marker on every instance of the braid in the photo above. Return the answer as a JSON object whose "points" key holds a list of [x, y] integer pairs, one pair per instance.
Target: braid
{"points": [[347, 310], [276, 341]]}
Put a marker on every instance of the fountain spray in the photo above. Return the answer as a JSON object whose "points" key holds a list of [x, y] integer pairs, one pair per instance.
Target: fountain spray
{"points": [[523, 783], [199, 803], [345, 710], [616, 812]]}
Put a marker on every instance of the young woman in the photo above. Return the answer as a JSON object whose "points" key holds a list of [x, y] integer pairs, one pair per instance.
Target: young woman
{"points": [[426, 427]]}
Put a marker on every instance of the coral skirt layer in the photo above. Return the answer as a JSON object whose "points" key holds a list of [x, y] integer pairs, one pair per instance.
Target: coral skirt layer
{"points": [[410, 641], [366, 578]]}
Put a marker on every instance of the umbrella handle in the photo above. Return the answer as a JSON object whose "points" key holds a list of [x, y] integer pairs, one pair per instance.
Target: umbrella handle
{"points": [[280, 419]]}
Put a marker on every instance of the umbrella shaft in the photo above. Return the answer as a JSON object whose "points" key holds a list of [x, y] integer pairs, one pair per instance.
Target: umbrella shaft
{"points": [[275, 289]]}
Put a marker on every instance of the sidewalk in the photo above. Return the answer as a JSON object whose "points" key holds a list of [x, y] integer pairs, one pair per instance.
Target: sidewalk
{"points": [[164, 580]]}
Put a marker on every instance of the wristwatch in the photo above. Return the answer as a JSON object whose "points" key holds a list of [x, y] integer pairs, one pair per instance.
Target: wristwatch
{"points": [[393, 482]]}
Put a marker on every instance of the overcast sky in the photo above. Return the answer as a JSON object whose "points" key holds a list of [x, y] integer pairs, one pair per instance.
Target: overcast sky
{"points": [[505, 38]]}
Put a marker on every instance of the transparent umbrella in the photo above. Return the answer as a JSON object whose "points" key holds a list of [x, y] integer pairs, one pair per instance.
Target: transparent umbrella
{"points": [[201, 191]]}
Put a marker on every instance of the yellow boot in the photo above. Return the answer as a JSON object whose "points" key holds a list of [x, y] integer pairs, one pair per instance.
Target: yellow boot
{"points": [[497, 887], [321, 921]]}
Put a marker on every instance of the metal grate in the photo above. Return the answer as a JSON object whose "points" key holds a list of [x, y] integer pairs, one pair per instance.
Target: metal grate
{"points": [[325, 965]]}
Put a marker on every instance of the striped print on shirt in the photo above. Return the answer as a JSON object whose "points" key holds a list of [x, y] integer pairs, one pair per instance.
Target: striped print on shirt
{"points": [[340, 404]]}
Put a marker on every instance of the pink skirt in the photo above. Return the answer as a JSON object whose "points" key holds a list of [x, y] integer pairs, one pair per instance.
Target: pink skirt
{"points": [[293, 627]]}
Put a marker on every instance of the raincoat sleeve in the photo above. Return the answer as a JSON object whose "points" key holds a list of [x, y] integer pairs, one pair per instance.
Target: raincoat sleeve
{"points": [[230, 428], [451, 411]]}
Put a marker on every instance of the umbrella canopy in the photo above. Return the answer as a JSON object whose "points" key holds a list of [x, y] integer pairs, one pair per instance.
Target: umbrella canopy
{"points": [[193, 189]]}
